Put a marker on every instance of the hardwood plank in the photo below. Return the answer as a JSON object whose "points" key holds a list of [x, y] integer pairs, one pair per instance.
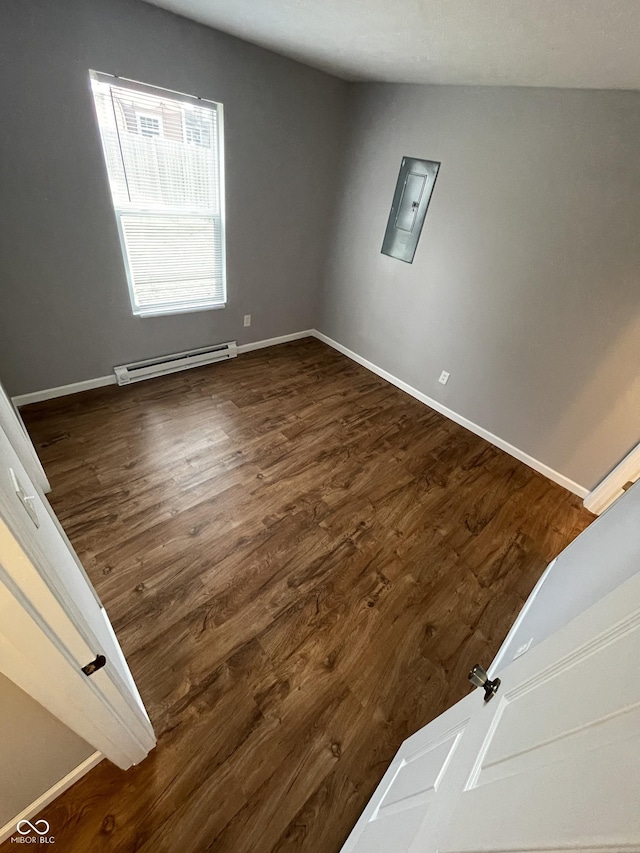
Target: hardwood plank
{"points": [[301, 563]]}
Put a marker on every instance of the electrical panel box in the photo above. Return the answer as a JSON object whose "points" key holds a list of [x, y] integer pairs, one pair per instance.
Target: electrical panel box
{"points": [[409, 208]]}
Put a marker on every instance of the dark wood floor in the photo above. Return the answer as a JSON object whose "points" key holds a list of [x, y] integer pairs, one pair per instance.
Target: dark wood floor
{"points": [[301, 563]]}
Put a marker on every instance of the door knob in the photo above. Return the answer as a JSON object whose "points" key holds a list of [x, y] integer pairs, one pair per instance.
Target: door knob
{"points": [[479, 677]]}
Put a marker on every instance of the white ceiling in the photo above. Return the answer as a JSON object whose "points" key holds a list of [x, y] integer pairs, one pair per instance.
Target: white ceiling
{"points": [[587, 44]]}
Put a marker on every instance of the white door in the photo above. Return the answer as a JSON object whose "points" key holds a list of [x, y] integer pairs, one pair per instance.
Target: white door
{"points": [[410, 795], [551, 763], [52, 624]]}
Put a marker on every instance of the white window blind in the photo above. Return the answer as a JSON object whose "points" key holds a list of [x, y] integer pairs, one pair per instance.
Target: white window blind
{"points": [[163, 153]]}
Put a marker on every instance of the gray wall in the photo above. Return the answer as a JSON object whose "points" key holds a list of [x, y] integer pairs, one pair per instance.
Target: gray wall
{"points": [[526, 281], [64, 312], [36, 750], [604, 556], [524, 286]]}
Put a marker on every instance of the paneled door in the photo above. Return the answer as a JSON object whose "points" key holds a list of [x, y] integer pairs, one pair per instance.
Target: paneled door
{"points": [[550, 763]]}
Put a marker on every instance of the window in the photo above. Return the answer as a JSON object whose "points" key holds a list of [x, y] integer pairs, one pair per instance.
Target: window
{"points": [[196, 131], [163, 153], [149, 125]]}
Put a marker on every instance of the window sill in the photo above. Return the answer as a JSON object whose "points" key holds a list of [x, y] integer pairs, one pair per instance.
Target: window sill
{"points": [[165, 312]]}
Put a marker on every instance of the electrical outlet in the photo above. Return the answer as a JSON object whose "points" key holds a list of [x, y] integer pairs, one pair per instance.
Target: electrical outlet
{"points": [[444, 377], [247, 319]]}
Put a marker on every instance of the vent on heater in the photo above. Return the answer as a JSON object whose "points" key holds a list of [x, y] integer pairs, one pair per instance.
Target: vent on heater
{"points": [[138, 370]]}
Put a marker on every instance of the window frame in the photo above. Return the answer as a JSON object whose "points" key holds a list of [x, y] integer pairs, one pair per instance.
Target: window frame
{"points": [[158, 210]]}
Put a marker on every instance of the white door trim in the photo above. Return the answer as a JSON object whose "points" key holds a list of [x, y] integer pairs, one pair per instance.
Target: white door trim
{"points": [[611, 488], [15, 431], [52, 624], [42, 652]]}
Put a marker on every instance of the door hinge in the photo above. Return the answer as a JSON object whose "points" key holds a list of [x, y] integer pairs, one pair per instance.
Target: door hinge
{"points": [[96, 664]]}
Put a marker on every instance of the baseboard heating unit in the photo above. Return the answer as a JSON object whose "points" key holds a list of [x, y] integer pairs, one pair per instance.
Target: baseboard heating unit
{"points": [[139, 370]]}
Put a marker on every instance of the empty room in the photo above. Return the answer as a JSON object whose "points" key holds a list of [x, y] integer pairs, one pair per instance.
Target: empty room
{"points": [[320, 425]]}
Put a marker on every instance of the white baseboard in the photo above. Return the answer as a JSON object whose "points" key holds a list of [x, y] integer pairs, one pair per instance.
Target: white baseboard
{"points": [[581, 491], [272, 342], [100, 381], [538, 466], [54, 791], [63, 390]]}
